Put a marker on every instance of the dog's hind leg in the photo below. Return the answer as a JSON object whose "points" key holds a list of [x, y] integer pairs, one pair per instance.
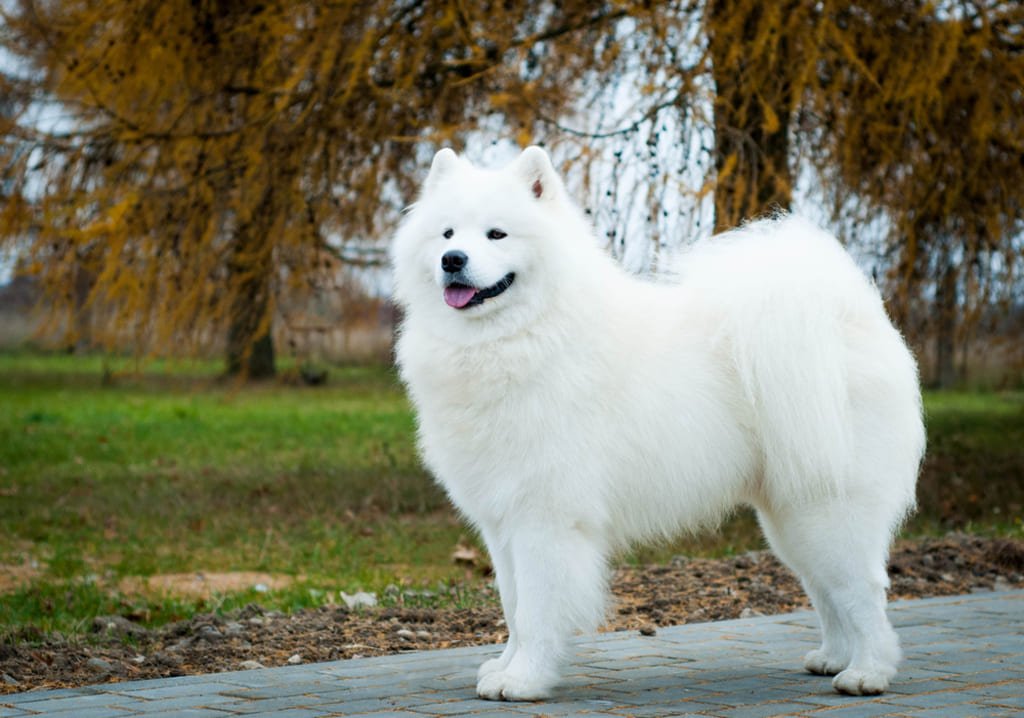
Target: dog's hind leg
{"points": [[560, 588], [836, 651], [839, 550]]}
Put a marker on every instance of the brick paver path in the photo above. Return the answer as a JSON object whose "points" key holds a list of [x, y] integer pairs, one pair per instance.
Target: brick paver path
{"points": [[965, 657]]}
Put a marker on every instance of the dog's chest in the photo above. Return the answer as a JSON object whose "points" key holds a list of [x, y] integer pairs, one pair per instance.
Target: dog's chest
{"points": [[491, 421]]}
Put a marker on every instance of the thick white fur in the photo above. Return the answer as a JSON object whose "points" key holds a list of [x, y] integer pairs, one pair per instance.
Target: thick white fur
{"points": [[584, 410]]}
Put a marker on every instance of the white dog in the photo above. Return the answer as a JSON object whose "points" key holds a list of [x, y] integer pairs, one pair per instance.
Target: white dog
{"points": [[571, 409]]}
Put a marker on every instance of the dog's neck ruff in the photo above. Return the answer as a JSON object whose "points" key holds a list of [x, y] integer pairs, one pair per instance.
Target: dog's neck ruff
{"points": [[461, 296]]}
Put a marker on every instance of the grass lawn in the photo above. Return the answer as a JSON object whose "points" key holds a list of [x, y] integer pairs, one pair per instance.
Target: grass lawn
{"points": [[106, 476]]}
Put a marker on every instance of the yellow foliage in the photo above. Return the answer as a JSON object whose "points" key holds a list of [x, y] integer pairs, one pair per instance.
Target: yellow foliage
{"points": [[210, 150]]}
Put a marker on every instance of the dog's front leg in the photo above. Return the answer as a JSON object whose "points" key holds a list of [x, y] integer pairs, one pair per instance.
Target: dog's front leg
{"points": [[501, 559], [559, 576]]}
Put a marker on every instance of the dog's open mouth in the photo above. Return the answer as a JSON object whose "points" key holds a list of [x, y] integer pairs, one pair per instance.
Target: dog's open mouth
{"points": [[462, 296]]}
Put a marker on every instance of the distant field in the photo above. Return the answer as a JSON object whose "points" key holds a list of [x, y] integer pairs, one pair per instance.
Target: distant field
{"points": [[108, 477]]}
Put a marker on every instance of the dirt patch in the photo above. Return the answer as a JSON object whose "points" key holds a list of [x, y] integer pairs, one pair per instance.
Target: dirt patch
{"points": [[13, 577], [686, 591], [204, 584]]}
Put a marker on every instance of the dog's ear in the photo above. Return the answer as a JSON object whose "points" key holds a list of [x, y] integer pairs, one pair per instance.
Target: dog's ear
{"points": [[534, 166], [444, 162]]}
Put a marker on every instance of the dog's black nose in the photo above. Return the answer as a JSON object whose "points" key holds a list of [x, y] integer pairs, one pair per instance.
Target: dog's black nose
{"points": [[453, 261]]}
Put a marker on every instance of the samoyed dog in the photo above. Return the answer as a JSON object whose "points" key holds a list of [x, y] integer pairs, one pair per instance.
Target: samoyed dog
{"points": [[571, 409]]}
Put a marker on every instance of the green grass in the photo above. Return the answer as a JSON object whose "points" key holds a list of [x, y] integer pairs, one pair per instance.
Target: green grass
{"points": [[973, 476], [168, 474], [106, 474]]}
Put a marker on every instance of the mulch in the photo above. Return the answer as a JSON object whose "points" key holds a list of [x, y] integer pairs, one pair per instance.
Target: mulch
{"points": [[647, 597]]}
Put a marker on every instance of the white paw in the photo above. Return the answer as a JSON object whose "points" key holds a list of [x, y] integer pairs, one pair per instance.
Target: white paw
{"points": [[503, 685], [859, 682], [824, 664], [492, 666]]}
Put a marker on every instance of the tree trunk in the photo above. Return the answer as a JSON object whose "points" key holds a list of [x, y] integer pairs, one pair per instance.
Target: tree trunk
{"points": [[250, 349], [945, 326], [751, 117], [250, 345]]}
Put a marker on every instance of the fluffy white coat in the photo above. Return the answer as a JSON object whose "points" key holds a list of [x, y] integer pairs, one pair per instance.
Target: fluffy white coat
{"points": [[582, 409]]}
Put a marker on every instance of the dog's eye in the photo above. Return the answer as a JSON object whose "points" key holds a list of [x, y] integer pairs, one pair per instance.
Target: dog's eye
{"points": [[448, 233], [496, 234]]}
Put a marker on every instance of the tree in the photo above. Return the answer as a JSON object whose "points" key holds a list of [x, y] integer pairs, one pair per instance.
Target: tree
{"points": [[189, 157], [757, 67], [909, 111], [938, 147]]}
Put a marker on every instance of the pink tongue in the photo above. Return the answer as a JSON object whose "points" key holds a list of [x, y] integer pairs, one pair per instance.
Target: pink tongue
{"points": [[458, 297]]}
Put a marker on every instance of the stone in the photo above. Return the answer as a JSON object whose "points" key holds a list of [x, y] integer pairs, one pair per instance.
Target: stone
{"points": [[165, 659], [250, 665], [210, 633], [360, 599], [180, 645], [98, 665], [118, 626]]}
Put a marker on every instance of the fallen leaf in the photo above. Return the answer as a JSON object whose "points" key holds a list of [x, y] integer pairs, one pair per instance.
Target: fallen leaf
{"points": [[464, 554]]}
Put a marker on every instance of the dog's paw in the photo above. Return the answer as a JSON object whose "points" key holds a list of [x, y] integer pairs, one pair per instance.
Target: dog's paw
{"points": [[859, 682], [503, 685], [823, 664], [492, 666]]}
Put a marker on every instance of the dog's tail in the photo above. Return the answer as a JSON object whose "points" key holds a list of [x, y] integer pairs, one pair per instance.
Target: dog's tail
{"points": [[798, 292], [792, 365]]}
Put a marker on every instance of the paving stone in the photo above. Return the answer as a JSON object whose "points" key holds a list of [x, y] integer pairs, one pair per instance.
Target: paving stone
{"points": [[927, 700], [748, 697], [162, 690], [454, 708], [104, 712], [960, 711], [11, 712], [634, 662], [81, 703], [763, 710], [181, 703], [663, 710], [382, 714], [1015, 701], [991, 693], [282, 712], [270, 704], [48, 695], [659, 685], [861, 710], [918, 687], [510, 713], [560, 707], [825, 696], [997, 676]]}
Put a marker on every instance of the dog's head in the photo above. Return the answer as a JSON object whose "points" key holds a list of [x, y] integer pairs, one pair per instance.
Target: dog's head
{"points": [[477, 250]]}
